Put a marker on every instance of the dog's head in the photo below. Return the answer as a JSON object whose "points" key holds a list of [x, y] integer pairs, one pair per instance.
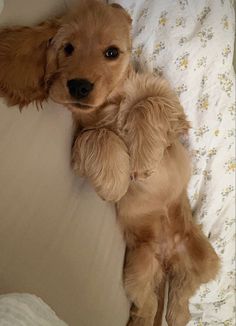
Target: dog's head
{"points": [[77, 59]]}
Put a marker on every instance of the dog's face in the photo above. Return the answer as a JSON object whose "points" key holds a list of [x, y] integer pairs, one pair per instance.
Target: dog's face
{"points": [[89, 56], [77, 59]]}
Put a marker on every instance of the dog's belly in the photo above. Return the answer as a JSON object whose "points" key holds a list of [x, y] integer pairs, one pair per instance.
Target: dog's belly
{"points": [[157, 227], [156, 193], [170, 246], [162, 188], [148, 211]]}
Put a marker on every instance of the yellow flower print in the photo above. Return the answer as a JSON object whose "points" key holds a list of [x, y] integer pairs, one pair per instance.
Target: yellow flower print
{"points": [[212, 152], [231, 133], [200, 132], [219, 117], [218, 304], [226, 83], [138, 51], [230, 165], [183, 4], [201, 62], [220, 245], [204, 292], [197, 154], [141, 29], [182, 61], [183, 40], [227, 225], [203, 81], [196, 171], [181, 89], [203, 102], [216, 132], [163, 18], [231, 274], [158, 71], [159, 47], [143, 14], [202, 16], [232, 110], [226, 191], [180, 22], [226, 51], [225, 22], [195, 196], [205, 35], [228, 322], [207, 175]]}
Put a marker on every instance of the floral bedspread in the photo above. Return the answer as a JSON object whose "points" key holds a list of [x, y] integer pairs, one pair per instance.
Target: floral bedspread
{"points": [[191, 43]]}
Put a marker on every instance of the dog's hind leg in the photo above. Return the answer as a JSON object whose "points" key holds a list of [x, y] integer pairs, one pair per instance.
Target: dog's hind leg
{"points": [[194, 263], [142, 275], [160, 293], [181, 288]]}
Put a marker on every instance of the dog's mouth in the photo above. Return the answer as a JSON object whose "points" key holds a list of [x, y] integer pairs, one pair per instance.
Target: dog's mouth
{"points": [[82, 106], [59, 93], [69, 102], [79, 106]]}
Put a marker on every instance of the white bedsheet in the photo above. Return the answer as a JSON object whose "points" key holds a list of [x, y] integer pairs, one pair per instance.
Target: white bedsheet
{"points": [[26, 310], [191, 42]]}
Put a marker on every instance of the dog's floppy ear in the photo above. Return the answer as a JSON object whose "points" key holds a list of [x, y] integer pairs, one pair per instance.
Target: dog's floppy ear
{"points": [[23, 52], [150, 111], [119, 7], [172, 115]]}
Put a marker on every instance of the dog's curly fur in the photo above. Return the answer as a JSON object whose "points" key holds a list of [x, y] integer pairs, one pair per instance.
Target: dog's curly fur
{"points": [[127, 145]]}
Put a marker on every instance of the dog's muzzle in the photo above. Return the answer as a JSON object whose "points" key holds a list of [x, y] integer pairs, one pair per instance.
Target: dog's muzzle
{"points": [[79, 88]]}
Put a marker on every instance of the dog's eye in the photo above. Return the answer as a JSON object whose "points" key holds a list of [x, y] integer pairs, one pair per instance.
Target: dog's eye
{"points": [[68, 49], [112, 53]]}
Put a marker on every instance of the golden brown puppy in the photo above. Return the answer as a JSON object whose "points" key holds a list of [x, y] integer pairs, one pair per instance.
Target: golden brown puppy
{"points": [[127, 145]]}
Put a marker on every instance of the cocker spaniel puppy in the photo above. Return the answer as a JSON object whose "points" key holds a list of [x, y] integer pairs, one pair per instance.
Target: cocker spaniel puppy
{"points": [[127, 145]]}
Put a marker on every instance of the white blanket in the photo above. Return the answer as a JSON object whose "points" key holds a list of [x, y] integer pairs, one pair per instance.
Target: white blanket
{"points": [[26, 310], [192, 42]]}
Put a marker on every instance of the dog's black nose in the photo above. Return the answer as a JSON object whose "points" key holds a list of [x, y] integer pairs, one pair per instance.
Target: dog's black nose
{"points": [[79, 88]]}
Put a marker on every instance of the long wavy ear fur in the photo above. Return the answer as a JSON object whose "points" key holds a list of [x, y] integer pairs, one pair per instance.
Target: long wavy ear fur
{"points": [[167, 112], [150, 119], [23, 53]]}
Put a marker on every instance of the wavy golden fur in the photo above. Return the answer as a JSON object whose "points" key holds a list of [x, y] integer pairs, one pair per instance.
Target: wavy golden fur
{"points": [[127, 144]]}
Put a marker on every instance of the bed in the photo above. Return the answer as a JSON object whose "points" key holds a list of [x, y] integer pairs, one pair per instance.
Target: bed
{"points": [[58, 240]]}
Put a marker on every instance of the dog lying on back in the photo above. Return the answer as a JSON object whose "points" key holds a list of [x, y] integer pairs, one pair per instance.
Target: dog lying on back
{"points": [[127, 145]]}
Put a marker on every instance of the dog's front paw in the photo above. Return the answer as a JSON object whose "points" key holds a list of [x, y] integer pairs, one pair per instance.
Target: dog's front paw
{"points": [[111, 185], [102, 157], [111, 178]]}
